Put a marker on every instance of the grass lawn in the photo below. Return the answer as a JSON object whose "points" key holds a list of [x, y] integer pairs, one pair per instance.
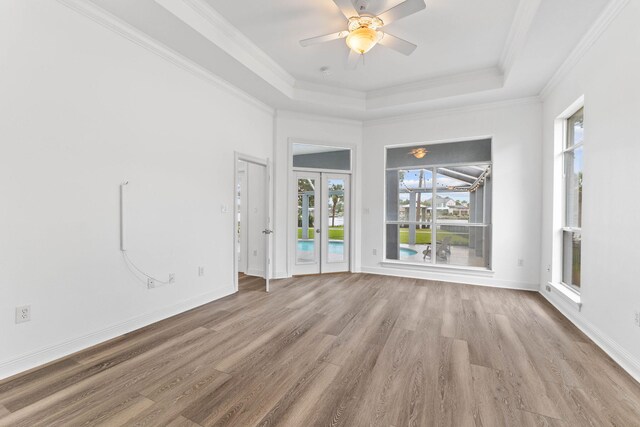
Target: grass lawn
{"points": [[423, 237], [335, 233]]}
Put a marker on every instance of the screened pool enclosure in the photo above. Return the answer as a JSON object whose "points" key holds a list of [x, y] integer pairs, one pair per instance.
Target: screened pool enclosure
{"points": [[438, 204]]}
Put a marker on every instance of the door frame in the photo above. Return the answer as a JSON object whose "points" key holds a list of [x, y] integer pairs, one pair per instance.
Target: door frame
{"points": [[237, 156], [292, 211]]}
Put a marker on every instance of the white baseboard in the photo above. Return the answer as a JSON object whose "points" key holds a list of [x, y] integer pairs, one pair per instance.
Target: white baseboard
{"points": [[280, 275], [621, 356], [465, 279], [254, 272], [37, 358]]}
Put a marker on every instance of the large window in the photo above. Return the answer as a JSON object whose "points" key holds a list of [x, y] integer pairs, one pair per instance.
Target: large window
{"points": [[572, 230], [438, 201]]}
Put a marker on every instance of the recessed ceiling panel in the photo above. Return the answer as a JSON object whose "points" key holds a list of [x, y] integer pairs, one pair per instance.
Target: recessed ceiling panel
{"points": [[453, 36]]}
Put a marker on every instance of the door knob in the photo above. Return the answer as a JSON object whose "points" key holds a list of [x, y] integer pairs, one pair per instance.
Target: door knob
{"points": [[267, 231]]}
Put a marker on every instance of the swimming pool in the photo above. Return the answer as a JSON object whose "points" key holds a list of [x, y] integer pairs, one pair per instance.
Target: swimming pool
{"points": [[337, 247]]}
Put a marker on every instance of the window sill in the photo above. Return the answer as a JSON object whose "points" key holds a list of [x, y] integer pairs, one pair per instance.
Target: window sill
{"points": [[567, 294], [473, 271]]}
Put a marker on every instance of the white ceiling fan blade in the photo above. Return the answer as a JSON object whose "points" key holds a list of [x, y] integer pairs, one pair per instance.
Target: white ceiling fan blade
{"points": [[404, 9], [397, 44], [352, 60], [347, 8], [323, 39]]}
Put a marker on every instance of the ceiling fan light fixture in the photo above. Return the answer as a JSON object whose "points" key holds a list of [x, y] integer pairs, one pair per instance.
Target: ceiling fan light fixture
{"points": [[419, 153], [363, 39]]}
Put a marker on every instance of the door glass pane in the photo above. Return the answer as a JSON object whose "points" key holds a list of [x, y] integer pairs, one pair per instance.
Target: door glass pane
{"points": [[573, 171], [335, 220], [571, 258], [415, 190], [462, 194], [306, 248], [461, 245]]}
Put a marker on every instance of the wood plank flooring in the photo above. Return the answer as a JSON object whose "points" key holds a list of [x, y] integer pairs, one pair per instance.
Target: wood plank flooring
{"points": [[339, 350]]}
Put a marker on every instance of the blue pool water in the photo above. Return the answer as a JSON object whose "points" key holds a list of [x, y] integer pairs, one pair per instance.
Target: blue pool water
{"points": [[338, 248], [307, 246]]}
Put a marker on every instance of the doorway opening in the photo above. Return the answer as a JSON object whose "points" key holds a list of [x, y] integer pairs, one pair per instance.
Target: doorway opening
{"points": [[322, 219], [252, 229]]}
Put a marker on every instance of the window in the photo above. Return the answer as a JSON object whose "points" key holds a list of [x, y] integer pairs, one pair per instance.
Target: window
{"points": [[438, 201], [573, 174]]}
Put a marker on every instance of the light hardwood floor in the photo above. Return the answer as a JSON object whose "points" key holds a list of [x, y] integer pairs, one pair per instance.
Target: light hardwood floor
{"points": [[338, 350]]}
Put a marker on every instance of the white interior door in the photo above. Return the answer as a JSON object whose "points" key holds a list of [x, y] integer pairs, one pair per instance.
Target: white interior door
{"points": [[242, 211], [268, 231], [307, 221], [256, 219], [334, 234]]}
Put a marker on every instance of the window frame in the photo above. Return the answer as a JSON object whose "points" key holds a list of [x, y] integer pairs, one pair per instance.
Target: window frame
{"points": [[569, 149], [434, 223]]}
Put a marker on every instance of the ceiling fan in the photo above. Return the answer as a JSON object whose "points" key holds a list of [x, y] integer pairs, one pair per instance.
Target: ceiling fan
{"points": [[365, 30]]}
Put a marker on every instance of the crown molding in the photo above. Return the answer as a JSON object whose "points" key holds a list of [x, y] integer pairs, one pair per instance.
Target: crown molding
{"points": [[313, 93], [610, 12], [296, 115], [436, 88], [509, 103], [520, 27], [200, 16], [434, 82], [333, 90], [118, 26]]}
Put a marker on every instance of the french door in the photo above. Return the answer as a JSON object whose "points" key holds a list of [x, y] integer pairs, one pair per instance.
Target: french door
{"points": [[322, 223]]}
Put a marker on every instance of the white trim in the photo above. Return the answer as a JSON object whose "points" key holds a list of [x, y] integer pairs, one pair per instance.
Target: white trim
{"points": [[510, 103], [48, 354], [254, 272], [567, 293], [206, 21], [295, 115], [439, 268], [621, 356], [237, 156], [291, 191], [611, 11], [520, 27], [118, 26], [477, 76], [451, 278]]}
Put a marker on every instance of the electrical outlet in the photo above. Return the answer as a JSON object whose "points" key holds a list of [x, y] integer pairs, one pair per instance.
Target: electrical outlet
{"points": [[375, 252], [255, 253], [200, 271], [548, 288], [520, 262], [172, 277], [638, 318], [23, 314], [151, 283], [548, 269]]}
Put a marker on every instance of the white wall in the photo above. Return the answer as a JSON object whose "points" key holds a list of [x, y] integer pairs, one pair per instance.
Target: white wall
{"points": [[314, 129], [83, 109], [607, 76], [516, 132]]}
